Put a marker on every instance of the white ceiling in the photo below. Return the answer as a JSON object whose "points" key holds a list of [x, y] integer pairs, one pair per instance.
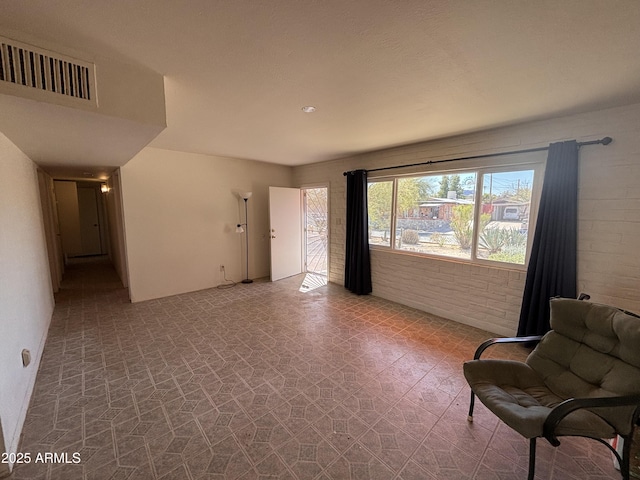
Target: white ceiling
{"points": [[380, 72]]}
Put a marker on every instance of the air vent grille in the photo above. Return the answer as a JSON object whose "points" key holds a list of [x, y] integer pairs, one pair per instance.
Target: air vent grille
{"points": [[22, 64]]}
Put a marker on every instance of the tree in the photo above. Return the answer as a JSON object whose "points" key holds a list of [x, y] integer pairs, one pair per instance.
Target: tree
{"points": [[444, 187], [408, 195], [462, 224], [522, 193], [456, 186], [379, 202], [451, 183], [427, 188]]}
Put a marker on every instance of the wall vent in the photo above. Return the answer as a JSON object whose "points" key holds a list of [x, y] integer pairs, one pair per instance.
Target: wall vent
{"points": [[45, 71]]}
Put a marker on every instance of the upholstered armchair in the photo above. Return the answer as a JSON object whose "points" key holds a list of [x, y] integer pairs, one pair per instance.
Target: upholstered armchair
{"points": [[582, 379]]}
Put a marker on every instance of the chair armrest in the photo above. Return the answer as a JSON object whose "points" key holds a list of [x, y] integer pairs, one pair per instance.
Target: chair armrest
{"points": [[565, 408], [493, 341]]}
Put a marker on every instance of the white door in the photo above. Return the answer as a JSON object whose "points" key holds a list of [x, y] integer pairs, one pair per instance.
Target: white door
{"points": [[285, 230]]}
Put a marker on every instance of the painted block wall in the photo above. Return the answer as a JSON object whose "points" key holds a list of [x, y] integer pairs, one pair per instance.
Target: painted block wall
{"points": [[180, 216], [26, 298], [487, 297], [113, 201]]}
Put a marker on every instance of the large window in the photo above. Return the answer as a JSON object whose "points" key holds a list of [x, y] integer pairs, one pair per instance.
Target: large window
{"points": [[478, 215]]}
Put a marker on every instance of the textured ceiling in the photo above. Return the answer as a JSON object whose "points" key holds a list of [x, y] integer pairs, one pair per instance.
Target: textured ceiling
{"points": [[380, 73]]}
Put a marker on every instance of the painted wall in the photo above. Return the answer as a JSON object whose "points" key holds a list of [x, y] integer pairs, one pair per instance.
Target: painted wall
{"points": [[180, 216], [123, 90], [130, 91], [51, 228], [117, 250], [490, 298], [26, 299], [69, 217]]}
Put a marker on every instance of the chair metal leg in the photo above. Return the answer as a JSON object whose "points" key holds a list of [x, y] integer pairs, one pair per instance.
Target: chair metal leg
{"points": [[626, 454], [473, 399], [532, 458]]}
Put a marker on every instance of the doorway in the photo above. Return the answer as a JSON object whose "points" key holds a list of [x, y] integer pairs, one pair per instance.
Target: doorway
{"points": [[91, 232], [81, 215], [299, 232], [316, 229]]}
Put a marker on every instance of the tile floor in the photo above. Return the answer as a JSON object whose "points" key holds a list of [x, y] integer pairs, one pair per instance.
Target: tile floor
{"points": [[263, 381]]}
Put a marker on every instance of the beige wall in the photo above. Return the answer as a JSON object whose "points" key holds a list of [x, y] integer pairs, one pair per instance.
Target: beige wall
{"points": [[51, 228], [69, 217], [122, 89], [117, 250], [26, 299], [490, 298], [130, 91], [180, 216]]}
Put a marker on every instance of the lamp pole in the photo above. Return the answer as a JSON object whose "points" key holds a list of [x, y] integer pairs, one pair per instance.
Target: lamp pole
{"points": [[246, 240]]}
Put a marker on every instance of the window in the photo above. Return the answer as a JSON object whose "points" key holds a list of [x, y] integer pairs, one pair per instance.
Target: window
{"points": [[506, 201], [434, 214], [480, 215]]}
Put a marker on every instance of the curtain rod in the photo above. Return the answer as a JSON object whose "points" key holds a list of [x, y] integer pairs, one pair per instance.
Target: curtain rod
{"points": [[602, 141]]}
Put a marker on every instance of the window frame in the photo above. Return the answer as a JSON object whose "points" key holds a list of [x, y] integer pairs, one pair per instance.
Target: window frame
{"points": [[537, 165]]}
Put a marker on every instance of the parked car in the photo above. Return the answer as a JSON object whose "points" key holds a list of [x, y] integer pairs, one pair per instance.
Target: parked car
{"points": [[511, 213]]}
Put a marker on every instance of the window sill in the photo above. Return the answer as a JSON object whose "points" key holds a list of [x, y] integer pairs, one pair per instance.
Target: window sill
{"points": [[464, 261]]}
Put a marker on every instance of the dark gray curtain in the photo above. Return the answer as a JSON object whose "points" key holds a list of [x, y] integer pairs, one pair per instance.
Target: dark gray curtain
{"points": [[552, 266], [357, 265]]}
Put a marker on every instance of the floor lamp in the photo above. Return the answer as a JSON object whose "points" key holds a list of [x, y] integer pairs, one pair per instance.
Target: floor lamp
{"points": [[243, 227]]}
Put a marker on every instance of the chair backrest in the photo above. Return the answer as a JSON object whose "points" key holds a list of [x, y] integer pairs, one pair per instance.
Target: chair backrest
{"points": [[592, 351]]}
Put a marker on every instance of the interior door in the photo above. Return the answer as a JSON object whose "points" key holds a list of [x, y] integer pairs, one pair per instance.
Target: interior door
{"points": [[285, 231], [89, 221]]}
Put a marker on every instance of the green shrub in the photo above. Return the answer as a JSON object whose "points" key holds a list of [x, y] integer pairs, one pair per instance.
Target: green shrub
{"points": [[515, 238], [438, 238], [462, 224], [493, 239], [509, 255], [410, 237]]}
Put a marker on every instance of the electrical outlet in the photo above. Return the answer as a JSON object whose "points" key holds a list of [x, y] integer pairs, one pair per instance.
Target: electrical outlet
{"points": [[222, 268], [26, 357]]}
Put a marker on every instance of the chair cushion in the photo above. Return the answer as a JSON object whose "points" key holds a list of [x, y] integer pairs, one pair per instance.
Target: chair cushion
{"points": [[517, 394], [592, 351]]}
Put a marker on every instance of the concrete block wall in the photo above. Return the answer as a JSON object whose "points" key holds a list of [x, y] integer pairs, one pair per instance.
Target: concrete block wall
{"points": [[490, 297]]}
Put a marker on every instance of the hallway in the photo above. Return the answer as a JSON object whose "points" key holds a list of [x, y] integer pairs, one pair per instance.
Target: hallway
{"points": [[264, 381]]}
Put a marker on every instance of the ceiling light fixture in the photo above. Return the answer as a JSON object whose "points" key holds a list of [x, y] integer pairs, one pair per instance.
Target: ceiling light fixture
{"points": [[308, 109]]}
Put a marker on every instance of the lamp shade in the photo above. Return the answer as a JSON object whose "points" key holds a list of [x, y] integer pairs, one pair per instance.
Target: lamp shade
{"points": [[245, 195]]}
